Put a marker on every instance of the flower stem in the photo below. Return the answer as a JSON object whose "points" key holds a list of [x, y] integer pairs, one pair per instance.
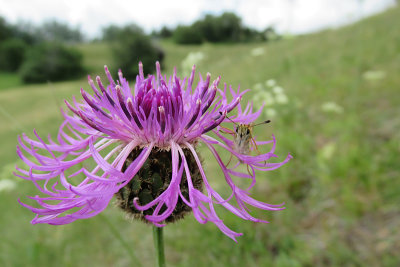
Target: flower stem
{"points": [[159, 245]]}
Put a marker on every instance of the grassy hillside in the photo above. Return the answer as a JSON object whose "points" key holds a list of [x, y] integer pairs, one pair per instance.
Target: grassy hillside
{"points": [[342, 188]]}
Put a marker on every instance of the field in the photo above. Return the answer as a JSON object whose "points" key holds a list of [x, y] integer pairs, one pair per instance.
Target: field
{"points": [[342, 189]]}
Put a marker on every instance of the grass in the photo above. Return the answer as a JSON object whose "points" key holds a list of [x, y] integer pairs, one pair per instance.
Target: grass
{"points": [[9, 80], [341, 189]]}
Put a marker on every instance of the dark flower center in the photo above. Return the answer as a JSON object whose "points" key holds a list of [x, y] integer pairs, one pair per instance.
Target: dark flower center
{"points": [[153, 179]]}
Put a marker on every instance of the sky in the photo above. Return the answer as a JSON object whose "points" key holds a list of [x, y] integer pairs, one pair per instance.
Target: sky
{"points": [[286, 16]]}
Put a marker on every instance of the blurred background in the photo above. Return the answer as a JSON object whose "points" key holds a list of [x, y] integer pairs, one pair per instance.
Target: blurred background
{"points": [[328, 72]]}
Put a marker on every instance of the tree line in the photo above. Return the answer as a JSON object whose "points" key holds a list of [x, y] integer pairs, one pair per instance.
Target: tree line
{"points": [[46, 52], [40, 53], [225, 28]]}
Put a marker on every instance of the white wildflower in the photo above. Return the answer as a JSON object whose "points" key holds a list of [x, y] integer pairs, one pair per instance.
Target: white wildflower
{"points": [[281, 98], [372, 75], [268, 98], [270, 112], [327, 151], [258, 51], [331, 107], [270, 83], [258, 87], [277, 90], [7, 180], [193, 58], [263, 98], [7, 185]]}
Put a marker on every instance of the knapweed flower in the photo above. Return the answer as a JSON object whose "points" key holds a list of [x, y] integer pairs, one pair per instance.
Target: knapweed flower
{"points": [[143, 146]]}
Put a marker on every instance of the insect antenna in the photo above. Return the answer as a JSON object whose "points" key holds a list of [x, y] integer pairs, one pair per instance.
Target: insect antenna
{"points": [[229, 118], [264, 122]]}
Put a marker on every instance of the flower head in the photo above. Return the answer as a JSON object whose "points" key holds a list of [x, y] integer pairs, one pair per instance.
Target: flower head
{"points": [[143, 143]]}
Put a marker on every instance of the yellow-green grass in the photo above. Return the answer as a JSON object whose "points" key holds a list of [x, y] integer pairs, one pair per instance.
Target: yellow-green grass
{"points": [[341, 189], [9, 80]]}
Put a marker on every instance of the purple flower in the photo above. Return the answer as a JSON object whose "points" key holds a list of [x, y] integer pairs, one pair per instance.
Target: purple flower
{"points": [[142, 145]]}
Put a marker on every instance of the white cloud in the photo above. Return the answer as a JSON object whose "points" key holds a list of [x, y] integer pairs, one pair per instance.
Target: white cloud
{"points": [[296, 16]]}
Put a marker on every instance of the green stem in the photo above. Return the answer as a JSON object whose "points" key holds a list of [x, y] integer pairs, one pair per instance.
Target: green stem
{"points": [[159, 245]]}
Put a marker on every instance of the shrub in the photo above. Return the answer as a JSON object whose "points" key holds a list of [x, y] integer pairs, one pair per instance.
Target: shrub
{"points": [[187, 35], [224, 28], [113, 33], [51, 61], [165, 32], [131, 46], [12, 54]]}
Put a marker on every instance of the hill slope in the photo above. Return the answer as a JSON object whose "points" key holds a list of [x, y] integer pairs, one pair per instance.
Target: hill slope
{"points": [[342, 190]]}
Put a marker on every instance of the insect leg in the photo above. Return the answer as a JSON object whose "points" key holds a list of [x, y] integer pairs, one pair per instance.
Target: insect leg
{"points": [[229, 160], [256, 148], [248, 171], [226, 130]]}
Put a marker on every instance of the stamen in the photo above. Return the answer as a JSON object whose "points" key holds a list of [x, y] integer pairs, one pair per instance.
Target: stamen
{"points": [[98, 80], [216, 123], [122, 102], [133, 113], [161, 111], [195, 114], [141, 74], [210, 99], [109, 77]]}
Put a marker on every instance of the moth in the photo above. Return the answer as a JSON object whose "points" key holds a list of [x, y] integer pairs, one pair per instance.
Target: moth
{"points": [[243, 139]]}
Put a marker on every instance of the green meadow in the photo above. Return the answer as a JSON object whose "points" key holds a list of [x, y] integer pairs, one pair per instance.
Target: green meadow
{"points": [[340, 121]]}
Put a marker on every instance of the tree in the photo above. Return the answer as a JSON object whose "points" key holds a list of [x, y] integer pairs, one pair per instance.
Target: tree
{"points": [[51, 62], [187, 35], [130, 45], [12, 54], [224, 28], [5, 30], [113, 32]]}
